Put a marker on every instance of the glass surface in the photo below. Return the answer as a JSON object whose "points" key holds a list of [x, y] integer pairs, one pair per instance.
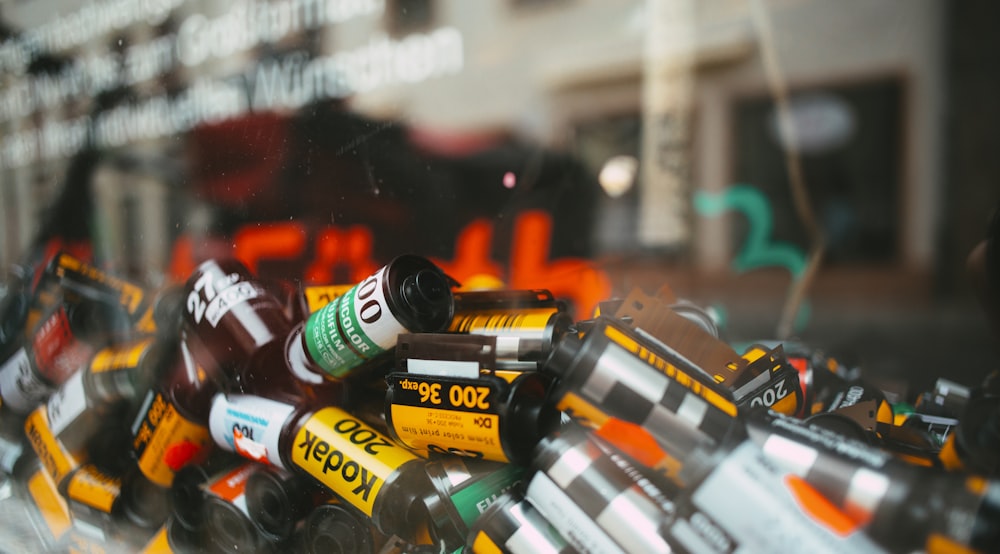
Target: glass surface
{"points": [[804, 171]]}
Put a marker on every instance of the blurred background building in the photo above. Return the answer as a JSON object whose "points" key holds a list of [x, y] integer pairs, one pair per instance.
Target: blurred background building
{"points": [[742, 151]]}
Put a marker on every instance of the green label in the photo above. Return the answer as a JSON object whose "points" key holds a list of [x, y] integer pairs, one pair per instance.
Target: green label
{"points": [[476, 496], [339, 336]]}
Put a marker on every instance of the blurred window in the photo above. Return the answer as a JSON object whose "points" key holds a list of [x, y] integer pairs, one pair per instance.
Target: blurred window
{"points": [[850, 143], [599, 143]]}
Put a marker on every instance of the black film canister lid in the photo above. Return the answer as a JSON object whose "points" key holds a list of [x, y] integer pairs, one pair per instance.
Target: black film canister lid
{"points": [[145, 503], [420, 294], [229, 529], [531, 413], [182, 540], [187, 500], [334, 529], [563, 355], [276, 501]]}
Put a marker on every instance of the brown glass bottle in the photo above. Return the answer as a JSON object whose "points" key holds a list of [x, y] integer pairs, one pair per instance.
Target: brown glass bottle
{"points": [[238, 328]]}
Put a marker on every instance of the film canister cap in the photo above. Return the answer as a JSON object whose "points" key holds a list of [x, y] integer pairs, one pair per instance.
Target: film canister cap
{"points": [[146, 503], [276, 503], [428, 293], [563, 355], [187, 500], [418, 294], [229, 529], [336, 530]]}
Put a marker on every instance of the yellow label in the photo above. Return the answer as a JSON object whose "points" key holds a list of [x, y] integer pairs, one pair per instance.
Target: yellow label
{"points": [[456, 395], [581, 410], [498, 321], [159, 544], [483, 544], [130, 294], [976, 485], [915, 460], [789, 405], [940, 544], [53, 507], [949, 456], [319, 296], [471, 434], [53, 455], [506, 374], [146, 323], [347, 456], [884, 414], [166, 441], [672, 372], [95, 489], [119, 357]]}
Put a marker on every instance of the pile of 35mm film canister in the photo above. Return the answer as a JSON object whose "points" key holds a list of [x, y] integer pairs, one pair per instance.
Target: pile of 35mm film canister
{"points": [[405, 414]]}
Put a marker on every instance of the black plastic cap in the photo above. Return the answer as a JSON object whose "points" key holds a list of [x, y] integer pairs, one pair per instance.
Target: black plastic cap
{"points": [[334, 529], [187, 500], [561, 359], [428, 294], [230, 530], [419, 294], [145, 502], [276, 502]]}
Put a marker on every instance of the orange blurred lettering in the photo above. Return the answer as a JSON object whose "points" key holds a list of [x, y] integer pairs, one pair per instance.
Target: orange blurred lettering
{"points": [[472, 253], [530, 267], [268, 241]]}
